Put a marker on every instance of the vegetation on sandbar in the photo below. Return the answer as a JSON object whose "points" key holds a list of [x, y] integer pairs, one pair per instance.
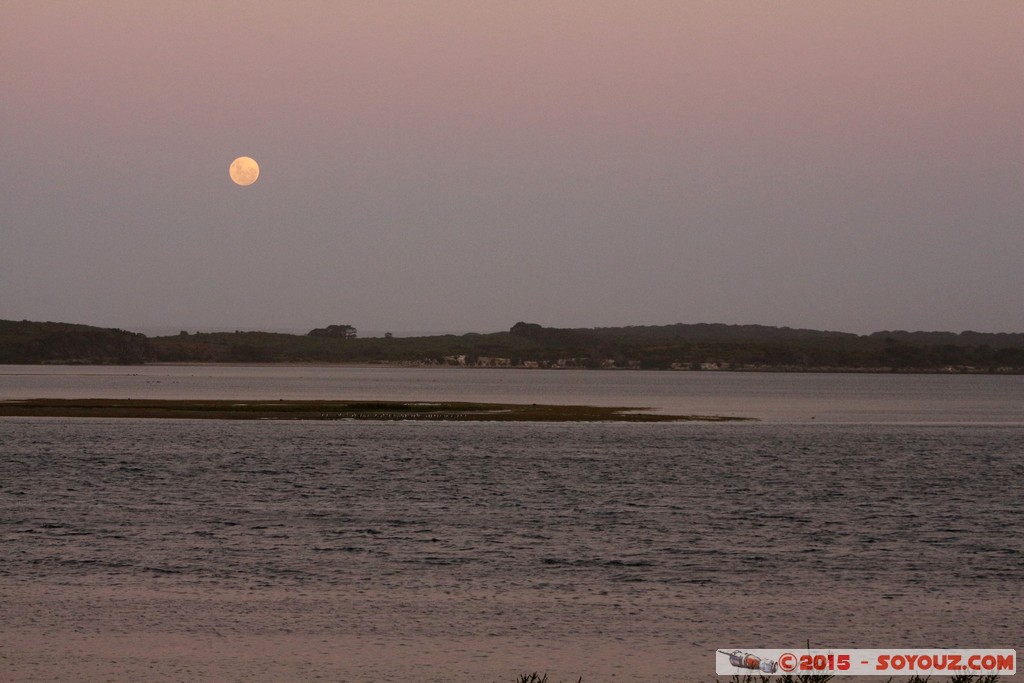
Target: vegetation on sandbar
{"points": [[337, 410]]}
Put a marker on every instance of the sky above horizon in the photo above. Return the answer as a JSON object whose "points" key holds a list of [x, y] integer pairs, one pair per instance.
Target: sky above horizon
{"points": [[462, 165]]}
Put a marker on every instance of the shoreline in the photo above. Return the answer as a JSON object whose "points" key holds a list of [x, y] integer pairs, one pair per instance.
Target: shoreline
{"points": [[755, 369], [380, 411]]}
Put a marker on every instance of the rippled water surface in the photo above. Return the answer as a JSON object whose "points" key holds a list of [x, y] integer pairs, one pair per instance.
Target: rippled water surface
{"points": [[681, 538], [362, 551]]}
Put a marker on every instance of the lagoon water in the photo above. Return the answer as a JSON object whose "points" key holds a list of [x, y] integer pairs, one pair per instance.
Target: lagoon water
{"points": [[860, 511], [778, 397]]}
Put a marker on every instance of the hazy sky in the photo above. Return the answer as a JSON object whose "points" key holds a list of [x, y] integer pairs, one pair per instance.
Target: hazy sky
{"points": [[461, 165]]}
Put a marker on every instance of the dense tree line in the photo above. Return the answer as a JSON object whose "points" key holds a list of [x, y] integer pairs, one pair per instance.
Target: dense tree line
{"points": [[34, 342], [679, 347]]}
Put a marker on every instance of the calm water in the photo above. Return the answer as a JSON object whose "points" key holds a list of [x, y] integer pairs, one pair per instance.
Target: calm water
{"points": [[783, 397], [174, 550]]}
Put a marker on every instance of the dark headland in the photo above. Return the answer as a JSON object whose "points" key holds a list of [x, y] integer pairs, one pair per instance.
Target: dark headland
{"points": [[686, 347]]}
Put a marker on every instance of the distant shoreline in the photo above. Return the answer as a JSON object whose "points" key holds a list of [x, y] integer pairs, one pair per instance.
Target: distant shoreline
{"points": [[677, 347], [433, 366]]}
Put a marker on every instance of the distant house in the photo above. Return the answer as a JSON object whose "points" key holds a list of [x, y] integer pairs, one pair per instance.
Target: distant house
{"points": [[336, 331]]}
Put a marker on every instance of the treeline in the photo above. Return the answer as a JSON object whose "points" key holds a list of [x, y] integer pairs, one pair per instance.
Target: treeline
{"points": [[758, 347], [270, 347], [677, 347], [34, 343]]}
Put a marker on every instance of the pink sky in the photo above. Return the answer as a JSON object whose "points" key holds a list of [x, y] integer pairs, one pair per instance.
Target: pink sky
{"points": [[464, 165]]}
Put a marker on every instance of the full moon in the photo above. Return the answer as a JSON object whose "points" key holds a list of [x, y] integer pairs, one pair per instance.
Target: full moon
{"points": [[244, 171]]}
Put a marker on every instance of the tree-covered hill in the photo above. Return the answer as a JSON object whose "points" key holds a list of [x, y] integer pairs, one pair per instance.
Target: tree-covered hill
{"points": [[677, 347], [757, 347], [34, 342], [268, 347]]}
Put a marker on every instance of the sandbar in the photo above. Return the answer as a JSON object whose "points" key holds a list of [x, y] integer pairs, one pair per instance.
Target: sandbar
{"points": [[338, 410]]}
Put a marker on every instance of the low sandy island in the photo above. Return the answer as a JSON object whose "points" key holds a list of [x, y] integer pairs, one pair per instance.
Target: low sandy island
{"points": [[337, 410]]}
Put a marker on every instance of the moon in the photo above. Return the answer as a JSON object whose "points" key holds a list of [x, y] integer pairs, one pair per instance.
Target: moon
{"points": [[244, 171]]}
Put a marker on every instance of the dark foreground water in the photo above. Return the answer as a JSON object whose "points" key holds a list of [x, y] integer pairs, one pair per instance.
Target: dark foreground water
{"points": [[179, 550]]}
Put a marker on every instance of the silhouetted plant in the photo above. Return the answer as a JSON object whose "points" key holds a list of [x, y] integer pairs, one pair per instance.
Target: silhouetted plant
{"points": [[537, 678]]}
